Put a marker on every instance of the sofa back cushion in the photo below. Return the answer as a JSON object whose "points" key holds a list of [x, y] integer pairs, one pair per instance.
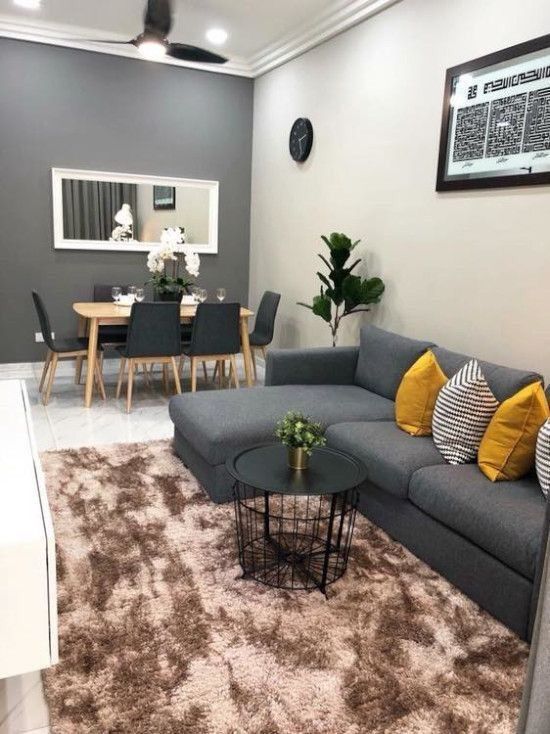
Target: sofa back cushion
{"points": [[384, 358], [503, 381]]}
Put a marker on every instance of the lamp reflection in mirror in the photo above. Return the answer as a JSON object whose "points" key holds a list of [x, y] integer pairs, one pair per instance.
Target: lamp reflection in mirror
{"points": [[124, 218]]}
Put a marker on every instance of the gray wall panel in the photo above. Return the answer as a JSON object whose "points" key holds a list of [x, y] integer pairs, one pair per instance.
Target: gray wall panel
{"points": [[77, 109]]}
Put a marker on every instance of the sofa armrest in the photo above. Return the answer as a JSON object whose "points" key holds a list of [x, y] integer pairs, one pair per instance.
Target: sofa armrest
{"points": [[324, 366]]}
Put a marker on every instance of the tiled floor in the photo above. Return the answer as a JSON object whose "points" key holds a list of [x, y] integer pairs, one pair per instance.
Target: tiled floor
{"points": [[66, 423]]}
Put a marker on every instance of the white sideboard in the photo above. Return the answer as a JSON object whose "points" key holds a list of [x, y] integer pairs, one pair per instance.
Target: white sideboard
{"points": [[28, 600]]}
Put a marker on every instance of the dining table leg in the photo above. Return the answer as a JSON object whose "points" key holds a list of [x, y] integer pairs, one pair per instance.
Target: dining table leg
{"points": [[245, 345], [82, 325], [92, 355]]}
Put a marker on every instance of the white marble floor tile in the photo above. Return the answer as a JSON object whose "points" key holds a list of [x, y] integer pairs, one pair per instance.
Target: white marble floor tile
{"points": [[22, 704]]}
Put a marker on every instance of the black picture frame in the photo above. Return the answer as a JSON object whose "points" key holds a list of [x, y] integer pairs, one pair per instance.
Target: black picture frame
{"points": [[525, 176], [164, 197]]}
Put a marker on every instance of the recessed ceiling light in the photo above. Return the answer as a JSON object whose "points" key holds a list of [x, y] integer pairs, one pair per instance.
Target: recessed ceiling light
{"points": [[28, 4], [217, 36]]}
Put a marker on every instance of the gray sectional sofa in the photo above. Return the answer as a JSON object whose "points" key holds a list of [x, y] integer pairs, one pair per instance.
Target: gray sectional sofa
{"points": [[486, 538]]}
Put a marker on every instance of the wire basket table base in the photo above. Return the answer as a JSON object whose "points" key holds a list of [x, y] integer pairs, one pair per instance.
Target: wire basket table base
{"points": [[294, 541]]}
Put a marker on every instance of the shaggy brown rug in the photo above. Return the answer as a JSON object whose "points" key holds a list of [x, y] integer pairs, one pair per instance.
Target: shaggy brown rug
{"points": [[158, 634]]}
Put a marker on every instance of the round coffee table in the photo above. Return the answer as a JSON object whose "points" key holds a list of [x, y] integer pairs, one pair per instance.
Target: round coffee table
{"points": [[294, 528]]}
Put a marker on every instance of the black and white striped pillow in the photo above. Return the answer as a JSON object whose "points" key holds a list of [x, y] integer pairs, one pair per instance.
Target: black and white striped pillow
{"points": [[542, 458], [463, 410]]}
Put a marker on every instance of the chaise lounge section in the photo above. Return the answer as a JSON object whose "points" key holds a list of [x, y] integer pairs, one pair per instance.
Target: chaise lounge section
{"points": [[486, 538]]}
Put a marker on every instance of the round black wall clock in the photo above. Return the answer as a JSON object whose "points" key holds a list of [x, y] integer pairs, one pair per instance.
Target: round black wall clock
{"points": [[301, 139]]}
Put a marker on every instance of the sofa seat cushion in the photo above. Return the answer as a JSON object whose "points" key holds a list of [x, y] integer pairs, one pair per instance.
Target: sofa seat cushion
{"points": [[220, 422], [390, 455], [505, 519]]}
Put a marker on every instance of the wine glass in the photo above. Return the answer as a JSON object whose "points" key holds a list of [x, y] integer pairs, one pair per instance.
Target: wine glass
{"points": [[195, 293], [116, 292], [132, 290], [203, 295], [140, 295], [220, 294]]}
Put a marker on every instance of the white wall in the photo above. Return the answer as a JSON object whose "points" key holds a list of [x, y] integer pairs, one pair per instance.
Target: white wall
{"points": [[468, 270], [192, 212]]}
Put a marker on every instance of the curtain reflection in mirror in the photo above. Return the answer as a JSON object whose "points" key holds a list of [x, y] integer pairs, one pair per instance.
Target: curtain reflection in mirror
{"points": [[89, 207]]}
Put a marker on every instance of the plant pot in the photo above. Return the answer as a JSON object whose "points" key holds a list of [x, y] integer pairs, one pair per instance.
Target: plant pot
{"points": [[171, 296], [298, 458]]}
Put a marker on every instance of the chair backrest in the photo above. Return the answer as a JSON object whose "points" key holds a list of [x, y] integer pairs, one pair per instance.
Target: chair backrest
{"points": [[44, 320], [216, 329], [103, 292], [154, 330], [265, 319]]}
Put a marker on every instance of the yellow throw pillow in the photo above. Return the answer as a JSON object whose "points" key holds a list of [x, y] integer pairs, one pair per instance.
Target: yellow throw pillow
{"points": [[507, 451], [416, 395]]}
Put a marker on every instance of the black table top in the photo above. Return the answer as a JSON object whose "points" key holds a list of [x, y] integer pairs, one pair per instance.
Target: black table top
{"points": [[266, 467]]}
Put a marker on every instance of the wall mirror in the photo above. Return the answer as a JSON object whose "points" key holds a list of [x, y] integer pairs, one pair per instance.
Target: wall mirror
{"points": [[95, 210]]}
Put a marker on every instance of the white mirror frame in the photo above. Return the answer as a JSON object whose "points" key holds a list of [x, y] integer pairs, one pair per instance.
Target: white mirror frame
{"points": [[60, 243]]}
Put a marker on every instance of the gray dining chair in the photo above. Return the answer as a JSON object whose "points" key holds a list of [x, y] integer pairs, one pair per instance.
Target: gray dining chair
{"points": [[154, 337], [215, 337], [109, 335], [264, 326], [58, 349]]}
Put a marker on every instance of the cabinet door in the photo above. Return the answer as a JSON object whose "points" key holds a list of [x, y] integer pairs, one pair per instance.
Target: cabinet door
{"points": [[25, 576]]}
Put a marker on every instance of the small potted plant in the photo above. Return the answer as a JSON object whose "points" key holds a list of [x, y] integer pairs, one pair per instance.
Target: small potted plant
{"points": [[171, 286], [300, 435]]}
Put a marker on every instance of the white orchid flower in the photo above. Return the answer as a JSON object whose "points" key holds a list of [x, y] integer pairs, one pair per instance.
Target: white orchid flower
{"points": [[192, 262], [172, 237]]}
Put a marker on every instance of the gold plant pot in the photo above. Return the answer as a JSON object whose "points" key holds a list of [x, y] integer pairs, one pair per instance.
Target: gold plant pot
{"points": [[297, 458]]}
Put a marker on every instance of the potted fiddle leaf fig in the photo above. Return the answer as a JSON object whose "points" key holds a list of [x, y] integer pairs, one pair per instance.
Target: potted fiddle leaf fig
{"points": [[342, 293]]}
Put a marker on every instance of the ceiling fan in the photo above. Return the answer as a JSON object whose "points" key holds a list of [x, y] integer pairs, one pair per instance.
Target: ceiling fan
{"points": [[153, 43]]}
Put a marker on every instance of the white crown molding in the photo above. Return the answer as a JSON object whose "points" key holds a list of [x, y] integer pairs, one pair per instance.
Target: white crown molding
{"points": [[333, 21], [62, 35], [326, 25]]}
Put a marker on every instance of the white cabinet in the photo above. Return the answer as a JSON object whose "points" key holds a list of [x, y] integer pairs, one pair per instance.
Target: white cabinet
{"points": [[28, 602]]}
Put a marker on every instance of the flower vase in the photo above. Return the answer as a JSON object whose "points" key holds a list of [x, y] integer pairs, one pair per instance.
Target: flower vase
{"points": [[171, 296]]}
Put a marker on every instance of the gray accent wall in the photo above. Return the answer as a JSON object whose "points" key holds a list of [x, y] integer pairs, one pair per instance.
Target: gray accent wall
{"points": [[62, 107]]}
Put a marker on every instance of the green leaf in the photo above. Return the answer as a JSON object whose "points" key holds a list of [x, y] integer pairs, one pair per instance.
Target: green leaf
{"points": [[361, 292], [322, 306], [305, 305], [340, 241], [329, 266], [351, 267], [339, 257], [372, 290], [351, 288], [324, 280]]}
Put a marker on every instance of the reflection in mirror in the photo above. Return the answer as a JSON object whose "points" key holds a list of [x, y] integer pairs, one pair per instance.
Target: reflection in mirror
{"points": [[94, 210], [121, 212]]}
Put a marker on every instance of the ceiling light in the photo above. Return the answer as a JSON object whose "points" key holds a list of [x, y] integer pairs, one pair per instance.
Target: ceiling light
{"points": [[28, 4], [152, 49], [217, 36]]}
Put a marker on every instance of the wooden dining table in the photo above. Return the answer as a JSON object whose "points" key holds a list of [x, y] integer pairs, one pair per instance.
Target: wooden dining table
{"points": [[95, 314]]}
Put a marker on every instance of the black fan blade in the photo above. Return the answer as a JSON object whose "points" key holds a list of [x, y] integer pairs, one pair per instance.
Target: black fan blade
{"points": [[103, 40], [158, 17], [183, 52]]}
